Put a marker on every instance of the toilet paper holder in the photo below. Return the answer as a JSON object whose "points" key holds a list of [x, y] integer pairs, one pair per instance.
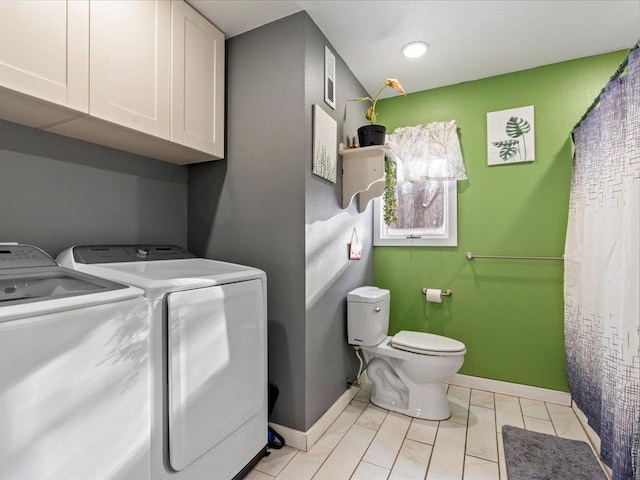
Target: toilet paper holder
{"points": [[445, 293]]}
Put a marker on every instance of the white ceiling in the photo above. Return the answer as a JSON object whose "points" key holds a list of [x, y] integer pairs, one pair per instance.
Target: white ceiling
{"points": [[469, 39]]}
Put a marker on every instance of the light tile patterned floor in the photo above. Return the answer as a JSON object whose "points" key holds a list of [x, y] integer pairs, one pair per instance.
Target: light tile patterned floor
{"points": [[369, 443]]}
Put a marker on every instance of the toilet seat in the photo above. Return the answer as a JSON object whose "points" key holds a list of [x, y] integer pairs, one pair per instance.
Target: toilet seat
{"points": [[427, 344]]}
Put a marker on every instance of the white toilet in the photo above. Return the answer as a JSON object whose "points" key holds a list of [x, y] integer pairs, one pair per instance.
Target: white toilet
{"points": [[409, 369]]}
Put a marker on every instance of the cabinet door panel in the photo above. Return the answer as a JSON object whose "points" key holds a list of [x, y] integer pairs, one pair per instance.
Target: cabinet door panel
{"points": [[130, 62], [197, 95], [44, 50]]}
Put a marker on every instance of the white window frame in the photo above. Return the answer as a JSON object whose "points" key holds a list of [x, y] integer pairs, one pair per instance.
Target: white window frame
{"points": [[449, 239]]}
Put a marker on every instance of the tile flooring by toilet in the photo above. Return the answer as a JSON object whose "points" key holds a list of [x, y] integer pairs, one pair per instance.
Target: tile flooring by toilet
{"points": [[369, 443]]}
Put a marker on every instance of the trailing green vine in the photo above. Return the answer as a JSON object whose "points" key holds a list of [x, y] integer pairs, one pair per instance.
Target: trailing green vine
{"points": [[390, 212]]}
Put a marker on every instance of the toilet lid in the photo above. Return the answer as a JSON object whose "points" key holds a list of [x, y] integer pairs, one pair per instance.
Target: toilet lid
{"points": [[426, 342]]}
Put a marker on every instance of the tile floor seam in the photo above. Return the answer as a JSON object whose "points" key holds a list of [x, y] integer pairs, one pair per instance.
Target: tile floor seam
{"points": [[466, 434], [546, 409], [285, 465], [369, 428], [368, 463], [395, 460], [553, 425], [359, 461], [432, 448], [338, 443], [480, 458], [321, 465], [521, 412], [401, 443], [363, 453], [495, 425], [419, 441], [542, 420], [500, 471]]}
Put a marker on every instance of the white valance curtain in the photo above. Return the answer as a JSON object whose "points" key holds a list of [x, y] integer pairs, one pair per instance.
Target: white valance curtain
{"points": [[428, 152], [602, 272]]}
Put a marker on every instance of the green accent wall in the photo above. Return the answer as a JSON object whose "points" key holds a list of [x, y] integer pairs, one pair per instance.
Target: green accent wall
{"points": [[509, 313]]}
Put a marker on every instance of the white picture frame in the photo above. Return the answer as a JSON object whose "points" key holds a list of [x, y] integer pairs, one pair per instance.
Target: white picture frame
{"points": [[510, 136], [325, 144]]}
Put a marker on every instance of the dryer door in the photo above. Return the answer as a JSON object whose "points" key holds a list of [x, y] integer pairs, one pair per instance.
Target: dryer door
{"points": [[216, 365]]}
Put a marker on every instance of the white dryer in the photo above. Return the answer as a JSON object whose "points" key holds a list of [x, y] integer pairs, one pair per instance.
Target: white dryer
{"points": [[209, 355], [74, 373]]}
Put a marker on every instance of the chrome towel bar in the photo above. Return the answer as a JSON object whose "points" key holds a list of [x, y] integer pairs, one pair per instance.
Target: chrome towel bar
{"points": [[471, 256]]}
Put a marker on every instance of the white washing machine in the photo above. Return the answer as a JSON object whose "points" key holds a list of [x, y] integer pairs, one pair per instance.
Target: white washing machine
{"points": [[208, 351], [74, 373]]}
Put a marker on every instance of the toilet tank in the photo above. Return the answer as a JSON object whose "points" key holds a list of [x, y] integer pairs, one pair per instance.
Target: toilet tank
{"points": [[367, 315]]}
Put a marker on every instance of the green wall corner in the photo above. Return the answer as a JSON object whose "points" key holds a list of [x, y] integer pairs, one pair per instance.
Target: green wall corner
{"points": [[509, 313]]}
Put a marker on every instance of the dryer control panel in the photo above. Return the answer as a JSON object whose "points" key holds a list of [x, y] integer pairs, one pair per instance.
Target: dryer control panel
{"points": [[90, 254], [23, 256]]}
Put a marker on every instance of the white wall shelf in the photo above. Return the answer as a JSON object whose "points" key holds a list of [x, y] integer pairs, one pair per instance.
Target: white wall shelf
{"points": [[363, 173]]}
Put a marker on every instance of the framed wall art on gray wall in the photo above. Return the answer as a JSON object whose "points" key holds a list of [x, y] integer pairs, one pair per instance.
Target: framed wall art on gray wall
{"points": [[325, 138]]}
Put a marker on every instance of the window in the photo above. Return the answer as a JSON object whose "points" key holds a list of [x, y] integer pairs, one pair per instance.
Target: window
{"points": [[431, 162], [427, 216]]}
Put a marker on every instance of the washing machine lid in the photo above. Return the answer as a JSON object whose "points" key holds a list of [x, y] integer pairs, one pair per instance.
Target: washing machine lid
{"points": [[32, 283], [420, 342], [162, 270]]}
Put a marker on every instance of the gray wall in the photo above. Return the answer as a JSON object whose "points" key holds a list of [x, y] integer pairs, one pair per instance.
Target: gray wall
{"points": [[249, 208], [56, 191], [330, 275], [263, 207]]}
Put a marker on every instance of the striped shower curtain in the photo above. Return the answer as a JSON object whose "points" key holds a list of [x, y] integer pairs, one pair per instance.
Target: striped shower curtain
{"points": [[602, 274]]}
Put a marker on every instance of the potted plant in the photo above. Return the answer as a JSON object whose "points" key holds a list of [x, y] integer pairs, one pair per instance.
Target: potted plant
{"points": [[374, 134]]}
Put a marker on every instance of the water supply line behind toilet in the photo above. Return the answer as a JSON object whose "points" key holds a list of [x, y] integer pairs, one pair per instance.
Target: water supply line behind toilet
{"points": [[356, 382]]}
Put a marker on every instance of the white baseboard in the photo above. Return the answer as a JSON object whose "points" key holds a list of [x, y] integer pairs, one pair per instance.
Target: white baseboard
{"points": [[293, 438], [305, 440], [515, 389]]}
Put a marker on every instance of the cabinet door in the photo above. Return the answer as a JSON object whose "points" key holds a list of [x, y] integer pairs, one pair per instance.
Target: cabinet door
{"points": [[130, 64], [197, 90], [44, 50]]}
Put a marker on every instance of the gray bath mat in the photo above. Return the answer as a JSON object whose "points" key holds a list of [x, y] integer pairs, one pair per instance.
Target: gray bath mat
{"points": [[537, 456]]}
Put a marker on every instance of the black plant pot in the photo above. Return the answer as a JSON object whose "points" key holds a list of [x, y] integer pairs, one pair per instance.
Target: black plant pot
{"points": [[372, 135]]}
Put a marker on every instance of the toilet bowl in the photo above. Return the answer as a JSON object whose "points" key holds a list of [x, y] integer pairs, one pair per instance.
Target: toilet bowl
{"points": [[408, 370]]}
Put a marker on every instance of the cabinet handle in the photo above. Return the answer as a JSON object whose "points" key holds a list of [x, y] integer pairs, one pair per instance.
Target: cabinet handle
{"points": [[377, 309]]}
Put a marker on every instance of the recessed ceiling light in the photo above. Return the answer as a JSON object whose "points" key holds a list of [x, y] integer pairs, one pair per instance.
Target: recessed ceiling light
{"points": [[415, 49]]}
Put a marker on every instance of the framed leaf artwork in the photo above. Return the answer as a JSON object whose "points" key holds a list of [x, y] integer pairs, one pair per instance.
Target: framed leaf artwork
{"points": [[325, 141], [510, 136]]}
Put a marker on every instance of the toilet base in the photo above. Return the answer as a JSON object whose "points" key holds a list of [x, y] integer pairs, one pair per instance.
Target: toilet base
{"points": [[428, 402], [394, 390]]}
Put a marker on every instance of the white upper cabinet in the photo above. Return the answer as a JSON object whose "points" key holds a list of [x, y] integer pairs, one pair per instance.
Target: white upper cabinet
{"points": [[197, 90], [44, 50], [144, 76], [130, 64]]}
